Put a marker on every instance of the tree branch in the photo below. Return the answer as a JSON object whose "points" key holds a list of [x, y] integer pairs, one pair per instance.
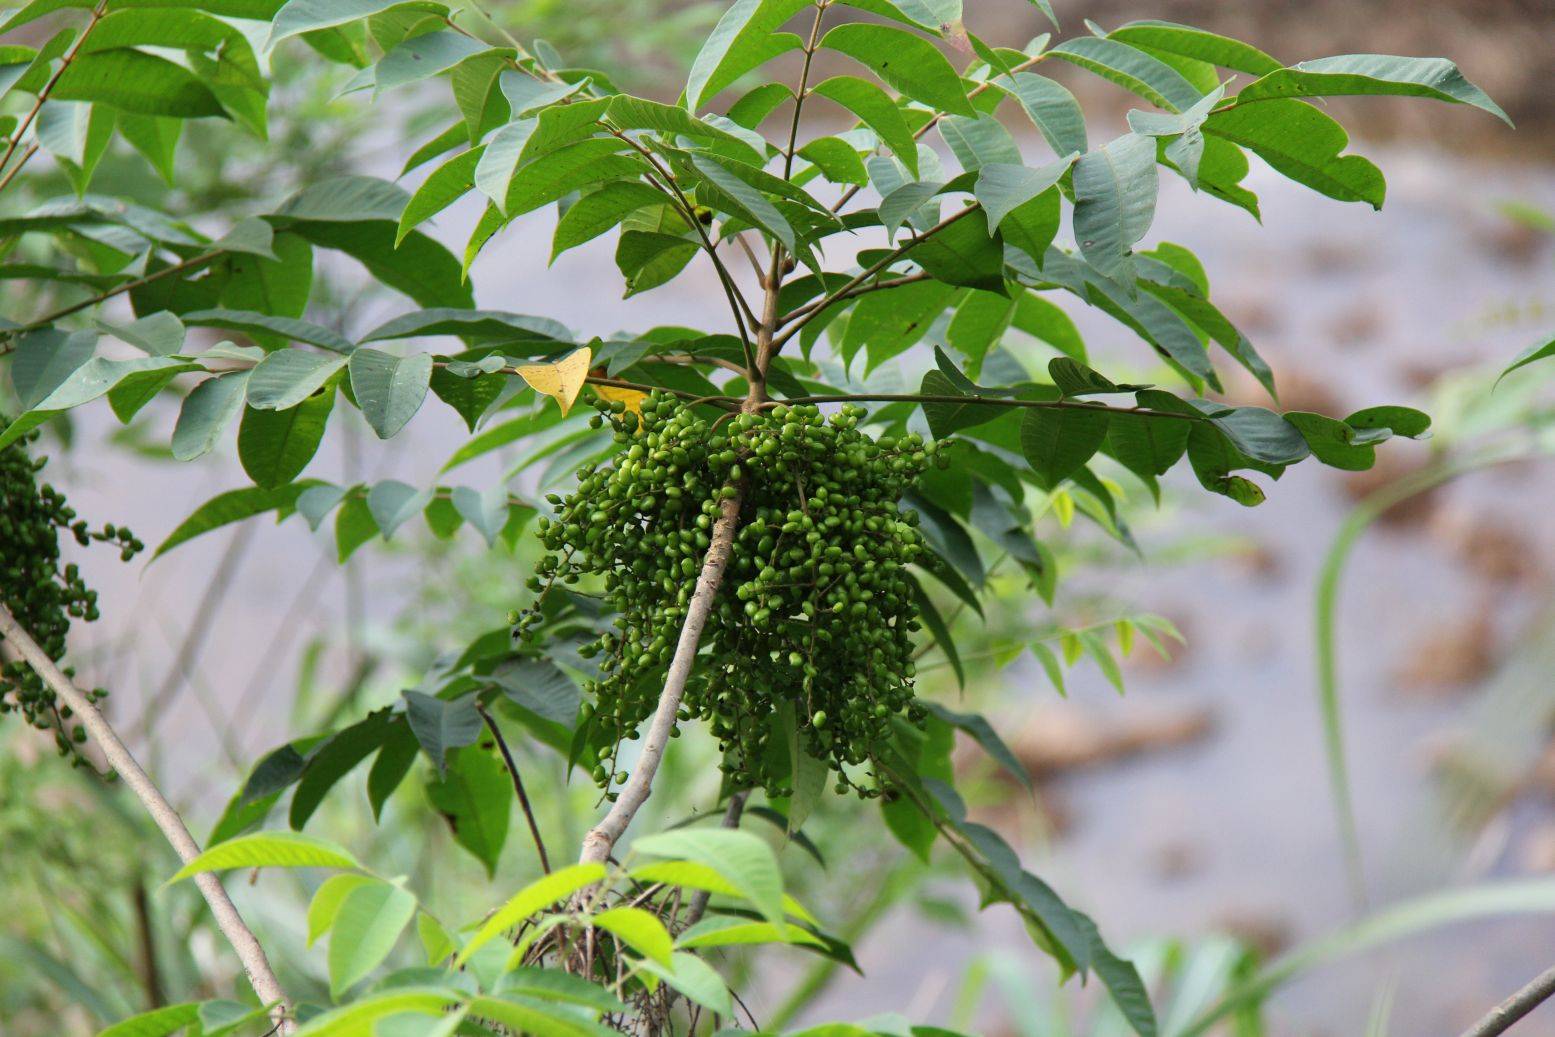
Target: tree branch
{"points": [[804, 82], [128, 286], [518, 787], [252, 956], [871, 271], [43, 95], [1501, 1018], [731, 820], [991, 401], [863, 289], [602, 838]]}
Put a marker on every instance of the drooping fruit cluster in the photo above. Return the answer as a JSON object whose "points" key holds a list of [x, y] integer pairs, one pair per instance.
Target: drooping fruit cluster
{"points": [[815, 611], [43, 596]]}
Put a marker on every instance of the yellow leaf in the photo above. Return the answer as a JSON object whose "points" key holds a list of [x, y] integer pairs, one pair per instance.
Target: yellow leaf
{"points": [[633, 398], [563, 380]]}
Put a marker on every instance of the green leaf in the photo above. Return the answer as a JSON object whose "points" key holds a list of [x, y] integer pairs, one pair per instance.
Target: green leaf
{"points": [[566, 170], [44, 359], [1147, 445], [486, 510], [906, 61], [1304, 144], [889, 322], [696, 980], [156, 334], [367, 925], [1401, 421], [285, 378], [86, 383], [638, 113], [326, 902], [1114, 191], [471, 324], [393, 503], [1199, 44], [964, 253], [1057, 441], [300, 16], [159, 1022], [276, 286], [558, 885], [639, 930], [1134, 70], [156, 138], [1333, 442], [206, 413], [740, 40], [518, 1014], [946, 419], [269, 850], [741, 858], [1004, 188], [979, 142], [476, 798], [556, 985], [389, 389], [751, 203], [984, 735], [418, 266], [837, 160], [424, 56], [874, 109], [274, 446], [258, 325], [232, 506], [470, 397], [134, 81], [1054, 111], [443, 186], [1382, 74], [359, 1016], [441, 725], [648, 259], [599, 211]]}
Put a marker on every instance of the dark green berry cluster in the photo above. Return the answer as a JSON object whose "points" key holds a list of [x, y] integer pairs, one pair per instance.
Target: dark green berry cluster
{"points": [[816, 609], [43, 595]]}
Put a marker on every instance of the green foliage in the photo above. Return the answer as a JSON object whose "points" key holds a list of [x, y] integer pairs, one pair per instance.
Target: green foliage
{"points": [[721, 462]]}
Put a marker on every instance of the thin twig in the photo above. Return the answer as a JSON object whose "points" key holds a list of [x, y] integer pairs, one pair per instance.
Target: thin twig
{"points": [[518, 787], [128, 286], [182, 670], [43, 95], [871, 271], [843, 294], [804, 83], [255, 965], [1500, 1018], [991, 401]]}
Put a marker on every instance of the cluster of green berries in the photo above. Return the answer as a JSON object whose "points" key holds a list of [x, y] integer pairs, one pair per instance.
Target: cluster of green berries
{"points": [[43, 595], [816, 608]]}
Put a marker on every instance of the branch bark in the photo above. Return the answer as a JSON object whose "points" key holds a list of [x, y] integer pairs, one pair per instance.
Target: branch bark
{"points": [[1501, 1018], [252, 956], [602, 838]]}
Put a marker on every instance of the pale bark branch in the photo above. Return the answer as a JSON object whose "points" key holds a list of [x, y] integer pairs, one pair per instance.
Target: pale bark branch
{"points": [[602, 838], [1502, 1017], [252, 956]]}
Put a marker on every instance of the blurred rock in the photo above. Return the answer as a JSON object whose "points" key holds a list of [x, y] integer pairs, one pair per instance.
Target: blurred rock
{"points": [[1297, 389], [1065, 737], [1489, 548], [1393, 464], [1265, 933], [1356, 327], [1449, 656]]}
